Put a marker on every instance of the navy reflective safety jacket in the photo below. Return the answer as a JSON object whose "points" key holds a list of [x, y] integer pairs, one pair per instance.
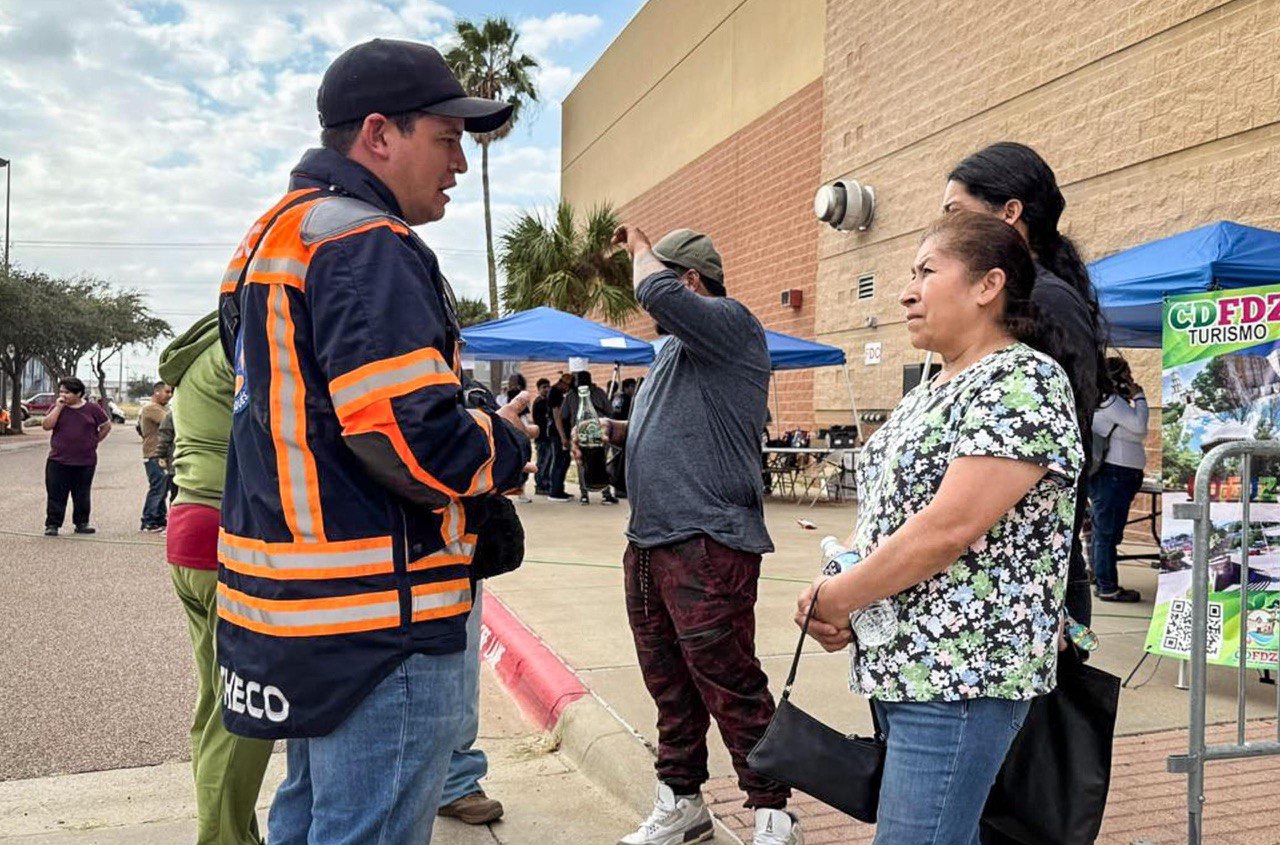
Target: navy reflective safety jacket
{"points": [[353, 465]]}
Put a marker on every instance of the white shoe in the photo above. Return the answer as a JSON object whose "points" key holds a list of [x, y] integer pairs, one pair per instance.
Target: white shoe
{"points": [[674, 821], [523, 499], [777, 827]]}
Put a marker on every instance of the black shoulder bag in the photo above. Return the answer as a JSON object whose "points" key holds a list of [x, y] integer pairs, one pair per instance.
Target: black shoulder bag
{"points": [[798, 750]]}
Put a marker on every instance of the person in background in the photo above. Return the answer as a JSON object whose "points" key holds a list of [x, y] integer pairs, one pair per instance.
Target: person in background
{"points": [[964, 524], [560, 447], [1121, 421], [1013, 183], [228, 769], [78, 427], [154, 507], [164, 451], [620, 409], [542, 419], [696, 535], [516, 386], [569, 418]]}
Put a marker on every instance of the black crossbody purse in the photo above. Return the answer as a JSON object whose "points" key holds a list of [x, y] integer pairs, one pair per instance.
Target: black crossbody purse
{"points": [[803, 753]]}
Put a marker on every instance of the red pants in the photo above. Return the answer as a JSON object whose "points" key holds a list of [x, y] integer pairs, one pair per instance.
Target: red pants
{"points": [[692, 611]]}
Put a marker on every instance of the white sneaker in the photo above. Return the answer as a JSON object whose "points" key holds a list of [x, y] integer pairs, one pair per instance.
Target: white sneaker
{"points": [[777, 827], [674, 821]]}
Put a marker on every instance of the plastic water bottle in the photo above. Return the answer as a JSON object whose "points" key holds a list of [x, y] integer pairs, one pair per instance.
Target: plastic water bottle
{"points": [[873, 625]]}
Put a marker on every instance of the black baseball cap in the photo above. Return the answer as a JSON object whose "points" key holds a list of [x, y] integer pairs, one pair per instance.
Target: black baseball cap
{"points": [[392, 77]]}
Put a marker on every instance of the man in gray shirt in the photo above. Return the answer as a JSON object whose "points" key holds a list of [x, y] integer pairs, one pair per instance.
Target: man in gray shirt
{"points": [[697, 534]]}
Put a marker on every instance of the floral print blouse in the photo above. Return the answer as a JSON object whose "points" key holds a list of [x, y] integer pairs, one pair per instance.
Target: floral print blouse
{"points": [[987, 626]]}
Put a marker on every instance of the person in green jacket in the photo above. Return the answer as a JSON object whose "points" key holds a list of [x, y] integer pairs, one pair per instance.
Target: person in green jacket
{"points": [[228, 768]]}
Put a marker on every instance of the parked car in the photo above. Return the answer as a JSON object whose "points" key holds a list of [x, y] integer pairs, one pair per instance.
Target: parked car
{"points": [[39, 404]]}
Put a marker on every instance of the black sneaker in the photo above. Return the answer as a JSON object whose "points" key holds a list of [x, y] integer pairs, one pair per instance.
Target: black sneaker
{"points": [[86, 529], [50, 531], [1120, 594], [609, 500]]}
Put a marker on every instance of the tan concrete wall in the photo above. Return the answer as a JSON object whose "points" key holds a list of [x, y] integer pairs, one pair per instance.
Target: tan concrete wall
{"points": [[1158, 116], [680, 79]]}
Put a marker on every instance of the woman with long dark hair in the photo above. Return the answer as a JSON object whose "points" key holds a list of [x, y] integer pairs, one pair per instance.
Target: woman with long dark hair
{"points": [[964, 524], [1012, 182]]}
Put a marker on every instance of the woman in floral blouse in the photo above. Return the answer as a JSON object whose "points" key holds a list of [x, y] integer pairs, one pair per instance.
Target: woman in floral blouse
{"points": [[966, 503]]}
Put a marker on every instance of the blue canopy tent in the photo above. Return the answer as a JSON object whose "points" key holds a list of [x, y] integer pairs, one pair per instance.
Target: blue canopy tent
{"points": [[545, 334], [1132, 284]]}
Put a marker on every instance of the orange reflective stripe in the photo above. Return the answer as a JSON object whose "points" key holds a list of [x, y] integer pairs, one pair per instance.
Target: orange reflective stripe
{"points": [[232, 274], [389, 378], [379, 418], [306, 561], [310, 617], [295, 464], [482, 481], [437, 601]]}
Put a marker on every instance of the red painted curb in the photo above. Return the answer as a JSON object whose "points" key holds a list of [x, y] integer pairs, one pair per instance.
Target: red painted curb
{"points": [[539, 681]]}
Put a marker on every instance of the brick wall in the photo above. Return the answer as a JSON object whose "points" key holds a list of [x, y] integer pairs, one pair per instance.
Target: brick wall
{"points": [[753, 194], [1157, 115]]}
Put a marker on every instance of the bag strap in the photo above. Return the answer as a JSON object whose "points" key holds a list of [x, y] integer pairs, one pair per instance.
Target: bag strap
{"points": [[804, 632], [795, 664], [229, 309]]}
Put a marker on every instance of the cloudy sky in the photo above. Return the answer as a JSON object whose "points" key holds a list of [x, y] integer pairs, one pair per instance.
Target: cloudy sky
{"points": [[147, 135]]}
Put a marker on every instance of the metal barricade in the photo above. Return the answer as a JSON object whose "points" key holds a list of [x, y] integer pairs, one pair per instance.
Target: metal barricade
{"points": [[1199, 511]]}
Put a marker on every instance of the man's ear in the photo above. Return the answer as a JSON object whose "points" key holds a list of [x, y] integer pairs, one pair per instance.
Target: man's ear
{"points": [[373, 136]]}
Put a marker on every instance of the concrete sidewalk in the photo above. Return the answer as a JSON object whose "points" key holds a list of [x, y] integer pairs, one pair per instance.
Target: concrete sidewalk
{"points": [[547, 800], [570, 593]]}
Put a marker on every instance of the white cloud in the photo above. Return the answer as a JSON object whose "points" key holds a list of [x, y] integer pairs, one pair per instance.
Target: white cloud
{"points": [[540, 35], [175, 123]]}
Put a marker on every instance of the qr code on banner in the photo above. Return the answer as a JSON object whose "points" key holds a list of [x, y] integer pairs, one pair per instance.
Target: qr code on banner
{"points": [[1177, 628]]}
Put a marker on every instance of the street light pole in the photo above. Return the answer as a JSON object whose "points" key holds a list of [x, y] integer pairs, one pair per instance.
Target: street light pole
{"points": [[8, 189]]}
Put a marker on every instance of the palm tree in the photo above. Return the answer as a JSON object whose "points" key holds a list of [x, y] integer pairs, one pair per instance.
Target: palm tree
{"points": [[488, 64], [576, 269], [472, 312]]}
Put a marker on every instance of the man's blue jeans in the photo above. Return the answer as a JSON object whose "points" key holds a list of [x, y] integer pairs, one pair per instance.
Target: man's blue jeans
{"points": [[468, 765], [154, 508], [943, 757], [559, 467], [1111, 491], [376, 779], [542, 480]]}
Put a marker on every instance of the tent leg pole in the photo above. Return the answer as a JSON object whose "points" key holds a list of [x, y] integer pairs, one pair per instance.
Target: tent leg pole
{"points": [[853, 403]]}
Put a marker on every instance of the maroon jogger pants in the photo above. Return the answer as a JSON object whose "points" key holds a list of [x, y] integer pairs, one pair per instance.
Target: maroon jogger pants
{"points": [[691, 606]]}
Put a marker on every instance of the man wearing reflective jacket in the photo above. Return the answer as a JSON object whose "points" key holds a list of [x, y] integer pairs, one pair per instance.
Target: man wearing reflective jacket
{"points": [[354, 469]]}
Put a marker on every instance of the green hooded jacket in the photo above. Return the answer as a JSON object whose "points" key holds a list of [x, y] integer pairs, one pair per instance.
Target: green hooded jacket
{"points": [[203, 381]]}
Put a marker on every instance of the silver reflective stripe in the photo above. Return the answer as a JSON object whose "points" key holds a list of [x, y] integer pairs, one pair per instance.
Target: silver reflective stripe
{"points": [[282, 618], [390, 378], [435, 601], [334, 216], [278, 265], [305, 560], [453, 550], [232, 275], [290, 399]]}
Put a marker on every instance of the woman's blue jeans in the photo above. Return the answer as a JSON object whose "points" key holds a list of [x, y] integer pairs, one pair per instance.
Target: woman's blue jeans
{"points": [[943, 757], [1111, 491]]}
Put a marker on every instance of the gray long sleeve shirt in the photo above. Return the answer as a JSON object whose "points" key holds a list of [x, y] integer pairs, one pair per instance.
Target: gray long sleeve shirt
{"points": [[693, 440], [1127, 426]]}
